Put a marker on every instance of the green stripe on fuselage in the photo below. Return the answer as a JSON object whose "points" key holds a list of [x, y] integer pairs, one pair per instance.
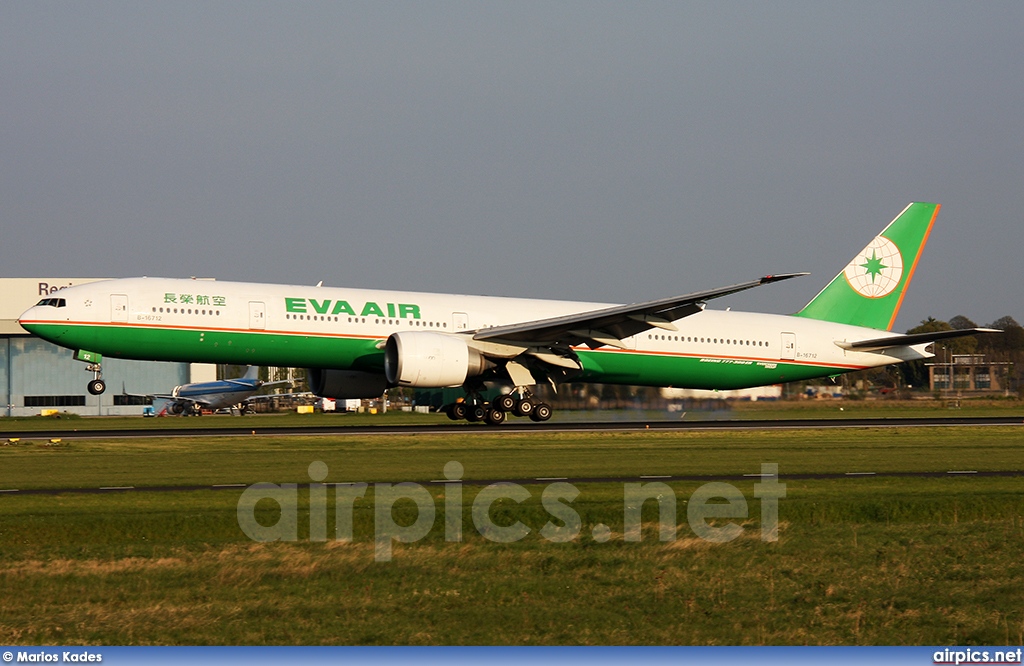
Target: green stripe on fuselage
{"points": [[319, 351], [697, 372], [206, 346]]}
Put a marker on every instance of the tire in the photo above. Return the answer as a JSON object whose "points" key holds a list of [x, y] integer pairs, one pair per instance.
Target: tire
{"points": [[459, 411], [495, 417], [97, 386], [524, 407], [505, 403], [476, 413], [450, 411], [541, 412]]}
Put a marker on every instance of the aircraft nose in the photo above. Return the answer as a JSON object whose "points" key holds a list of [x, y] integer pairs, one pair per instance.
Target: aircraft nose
{"points": [[27, 317], [32, 321]]}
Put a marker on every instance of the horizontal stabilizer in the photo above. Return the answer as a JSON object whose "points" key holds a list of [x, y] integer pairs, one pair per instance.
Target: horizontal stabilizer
{"points": [[910, 340]]}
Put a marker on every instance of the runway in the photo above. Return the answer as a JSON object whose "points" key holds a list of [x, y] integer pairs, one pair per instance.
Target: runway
{"points": [[519, 427], [644, 478], [462, 428]]}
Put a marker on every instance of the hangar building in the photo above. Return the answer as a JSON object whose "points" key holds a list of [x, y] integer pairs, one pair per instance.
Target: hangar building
{"points": [[37, 375]]}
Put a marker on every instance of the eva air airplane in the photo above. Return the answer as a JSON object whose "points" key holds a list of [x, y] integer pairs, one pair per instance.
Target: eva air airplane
{"points": [[357, 343]]}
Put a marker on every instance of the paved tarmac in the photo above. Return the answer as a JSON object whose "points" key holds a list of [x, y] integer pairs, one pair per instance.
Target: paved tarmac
{"points": [[519, 426]]}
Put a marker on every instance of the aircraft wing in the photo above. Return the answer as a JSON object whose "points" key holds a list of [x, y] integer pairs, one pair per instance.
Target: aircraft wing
{"points": [[148, 396], [259, 385], [609, 326], [271, 396], [166, 396], [190, 400], [876, 344]]}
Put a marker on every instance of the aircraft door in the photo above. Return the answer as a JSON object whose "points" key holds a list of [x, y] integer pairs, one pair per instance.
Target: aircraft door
{"points": [[257, 315], [788, 347], [460, 321], [119, 308]]}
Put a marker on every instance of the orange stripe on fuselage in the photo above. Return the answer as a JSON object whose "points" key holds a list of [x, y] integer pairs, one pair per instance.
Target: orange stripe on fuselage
{"points": [[208, 329], [610, 350], [787, 361]]}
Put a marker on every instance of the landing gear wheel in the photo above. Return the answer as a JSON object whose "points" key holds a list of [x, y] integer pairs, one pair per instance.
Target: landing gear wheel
{"points": [[476, 413], [505, 403], [541, 412], [450, 411], [97, 386], [523, 407], [495, 417], [458, 411]]}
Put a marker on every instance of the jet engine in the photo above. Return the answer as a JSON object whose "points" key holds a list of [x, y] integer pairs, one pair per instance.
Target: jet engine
{"points": [[430, 360], [345, 384]]}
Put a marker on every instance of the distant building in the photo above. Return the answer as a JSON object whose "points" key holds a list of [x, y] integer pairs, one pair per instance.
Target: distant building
{"points": [[37, 375], [968, 373]]}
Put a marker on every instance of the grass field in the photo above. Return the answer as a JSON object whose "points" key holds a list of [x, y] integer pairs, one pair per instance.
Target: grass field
{"points": [[859, 560]]}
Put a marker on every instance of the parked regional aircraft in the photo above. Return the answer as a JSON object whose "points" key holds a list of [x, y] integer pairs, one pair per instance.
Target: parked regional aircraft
{"points": [[357, 343], [193, 398]]}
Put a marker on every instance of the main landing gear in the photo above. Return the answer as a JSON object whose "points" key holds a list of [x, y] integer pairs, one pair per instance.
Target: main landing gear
{"points": [[185, 409], [474, 408]]}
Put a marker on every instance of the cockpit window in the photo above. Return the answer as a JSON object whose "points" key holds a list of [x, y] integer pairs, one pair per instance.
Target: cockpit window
{"points": [[53, 302]]}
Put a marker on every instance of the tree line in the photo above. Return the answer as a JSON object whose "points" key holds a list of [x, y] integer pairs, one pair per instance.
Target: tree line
{"points": [[1005, 347]]}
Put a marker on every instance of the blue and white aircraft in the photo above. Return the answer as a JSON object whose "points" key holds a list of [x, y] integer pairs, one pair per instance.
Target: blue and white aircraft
{"points": [[193, 398]]}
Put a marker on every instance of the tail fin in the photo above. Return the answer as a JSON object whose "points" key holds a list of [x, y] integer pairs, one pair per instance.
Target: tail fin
{"points": [[870, 290], [252, 372]]}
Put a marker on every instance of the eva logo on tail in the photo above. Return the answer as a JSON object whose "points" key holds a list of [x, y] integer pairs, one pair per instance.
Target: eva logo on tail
{"points": [[877, 270], [869, 291]]}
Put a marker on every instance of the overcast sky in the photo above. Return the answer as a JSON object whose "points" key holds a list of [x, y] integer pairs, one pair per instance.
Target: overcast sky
{"points": [[591, 151]]}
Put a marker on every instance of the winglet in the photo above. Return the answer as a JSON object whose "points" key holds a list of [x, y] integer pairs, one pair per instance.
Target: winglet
{"points": [[768, 279]]}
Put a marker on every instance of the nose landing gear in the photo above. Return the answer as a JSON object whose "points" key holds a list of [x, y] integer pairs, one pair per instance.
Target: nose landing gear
{"points": [[96, 386]]}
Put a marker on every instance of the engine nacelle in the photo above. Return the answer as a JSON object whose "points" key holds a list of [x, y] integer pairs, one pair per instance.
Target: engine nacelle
{"points": [[430, 360], [345, 384]]}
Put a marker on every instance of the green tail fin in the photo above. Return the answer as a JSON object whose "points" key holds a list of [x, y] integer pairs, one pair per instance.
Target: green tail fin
{"points": [[869, 291]]}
